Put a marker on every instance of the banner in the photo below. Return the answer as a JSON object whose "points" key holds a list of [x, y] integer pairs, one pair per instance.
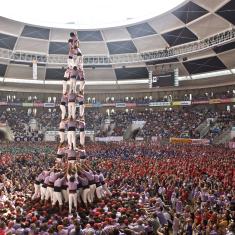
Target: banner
{"points": [[180, 141], [27, 104], [109, 105], [15, 104], [181, 103], [189, 141], [226, 101], [215, 101], [87, 105], [159, 104], [49, 105], [124, 105], [109, 139], [200, 102], [142, 104], [3, 103], [201, 141], [130, 105], [38, 104], [120, 105], [97, 105]]}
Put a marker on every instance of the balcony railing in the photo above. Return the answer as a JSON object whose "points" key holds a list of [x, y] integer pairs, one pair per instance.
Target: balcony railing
{"points": [[177, 51]]}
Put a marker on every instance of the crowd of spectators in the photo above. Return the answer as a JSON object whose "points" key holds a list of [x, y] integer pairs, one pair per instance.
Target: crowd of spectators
{"points": [[203, 94], [223, 121], [173, 123], [34, 124], [161, 123], [156, 189]]}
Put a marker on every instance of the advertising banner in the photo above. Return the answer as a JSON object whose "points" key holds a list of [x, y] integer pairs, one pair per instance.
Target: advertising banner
{"points": [[109, 105], [109, 139], [200, 102], [27, 104], [189, 141], [38, 104], [97, 105], [120, 105], [3, 103], [130, 105], [215, 101], [159, 104], [180, 141], [181, 103], [15, 104], [226, 100], [87, 105], [49, 105], [201, 141]]}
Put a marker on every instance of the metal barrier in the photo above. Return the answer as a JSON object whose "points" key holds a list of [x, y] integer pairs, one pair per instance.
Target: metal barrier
{"points": [[172, 52]]}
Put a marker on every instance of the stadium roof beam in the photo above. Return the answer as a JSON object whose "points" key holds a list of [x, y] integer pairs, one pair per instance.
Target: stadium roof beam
{"points": [[172, 52]]}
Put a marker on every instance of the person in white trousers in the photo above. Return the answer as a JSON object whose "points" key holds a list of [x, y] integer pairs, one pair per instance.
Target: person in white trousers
{"points": [[81, 76], [62, 127], [82, 132], [63, 103], [71, 134], [104, 184], [57, 195], [79, 60], [61, 152], [73, 79], [37, 188], [72, 97], [70, 60], [50, 184], [85, 191], [71, 155], [90, 176], [43, 185], [67, 75], [80, 98], [65, 190], [72, 187], [98, 186]]}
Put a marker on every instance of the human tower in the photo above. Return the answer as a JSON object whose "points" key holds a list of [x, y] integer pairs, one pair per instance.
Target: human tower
{"points": [[72, 98]]}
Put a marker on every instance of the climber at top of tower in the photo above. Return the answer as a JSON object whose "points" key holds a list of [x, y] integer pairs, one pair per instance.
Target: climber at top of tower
{"points": [[74, 44]]}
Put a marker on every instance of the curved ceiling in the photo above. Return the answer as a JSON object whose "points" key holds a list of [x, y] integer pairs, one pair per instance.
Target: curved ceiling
{"points": [[87, 14]]}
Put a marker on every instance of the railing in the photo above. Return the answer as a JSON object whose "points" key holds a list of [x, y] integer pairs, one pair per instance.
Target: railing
{"points": [[224, 137], [177, 51]]}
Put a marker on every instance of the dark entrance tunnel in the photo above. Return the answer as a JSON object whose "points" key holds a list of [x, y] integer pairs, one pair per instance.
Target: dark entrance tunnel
{"points": [[2, 135]]}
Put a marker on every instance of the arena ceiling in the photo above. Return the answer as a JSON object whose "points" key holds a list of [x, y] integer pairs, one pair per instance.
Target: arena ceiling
{"points": [[89, 14], [190, 22]]}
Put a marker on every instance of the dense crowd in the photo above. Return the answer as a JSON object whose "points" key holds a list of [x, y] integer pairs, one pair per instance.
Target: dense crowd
{"points": [[155, 189], [224, 121], [203, 94], [161, 123], [31, 124]]}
